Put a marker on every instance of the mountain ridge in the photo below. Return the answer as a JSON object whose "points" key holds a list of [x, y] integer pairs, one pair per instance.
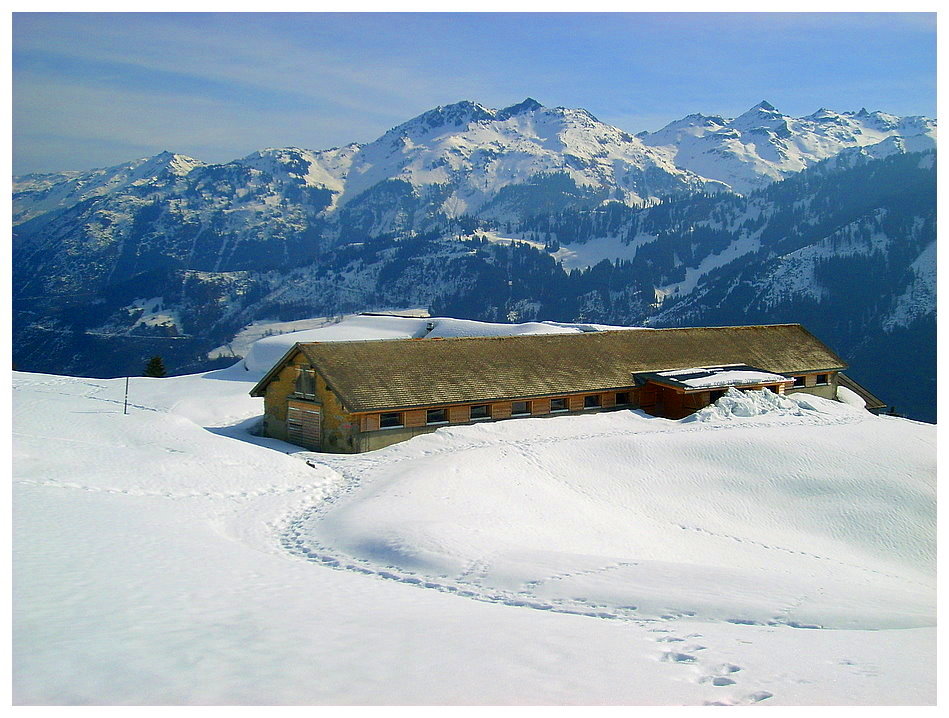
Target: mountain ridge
{"points": [[697, 152], [471, 210]]}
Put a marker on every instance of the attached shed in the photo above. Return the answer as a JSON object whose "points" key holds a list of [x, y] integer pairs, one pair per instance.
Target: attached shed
{"points": [[872, 403], [358, 396], [679, 392]]}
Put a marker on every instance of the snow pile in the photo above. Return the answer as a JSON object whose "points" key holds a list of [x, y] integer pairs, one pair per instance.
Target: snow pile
{"points": [[743, 404], [850, 398], [721, 376], [764, 403]]}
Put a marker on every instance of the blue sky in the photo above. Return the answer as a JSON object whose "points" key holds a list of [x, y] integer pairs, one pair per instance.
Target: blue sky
{"points": [[92, 90]]}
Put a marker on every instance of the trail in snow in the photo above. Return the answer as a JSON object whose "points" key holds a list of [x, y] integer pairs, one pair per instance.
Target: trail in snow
{"points": [[145, 538], [298, 537]]}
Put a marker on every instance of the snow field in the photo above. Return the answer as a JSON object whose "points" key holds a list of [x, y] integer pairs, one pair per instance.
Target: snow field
{"points": [[759, 524], [167, 556]]}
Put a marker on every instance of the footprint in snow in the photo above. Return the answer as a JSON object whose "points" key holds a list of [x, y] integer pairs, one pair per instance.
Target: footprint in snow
{"points": [[676, 657], [684, 648], [746, 700], [720, 675], [717, 680]]}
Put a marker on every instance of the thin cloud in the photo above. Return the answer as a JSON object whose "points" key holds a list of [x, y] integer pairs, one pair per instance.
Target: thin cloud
{"points": [[244, 81]]}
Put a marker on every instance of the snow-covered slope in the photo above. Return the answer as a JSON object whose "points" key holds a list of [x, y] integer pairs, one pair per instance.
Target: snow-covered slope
{"points": [[763, 145], [476, 151], [265, 352], [36, 194], [459, 157], [601, 559], [723, 517]]}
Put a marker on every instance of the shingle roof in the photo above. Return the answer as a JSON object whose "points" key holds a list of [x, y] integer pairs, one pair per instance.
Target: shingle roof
{"points": [[392, 374]]}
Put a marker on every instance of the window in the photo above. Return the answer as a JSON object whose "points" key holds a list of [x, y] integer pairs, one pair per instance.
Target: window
{"points": [[798, 381], [591, 401], [390, 420], [481, 411], [622, 398], [821, 379], [436, 416], [560, 404], [306, 384], [519, 408]]}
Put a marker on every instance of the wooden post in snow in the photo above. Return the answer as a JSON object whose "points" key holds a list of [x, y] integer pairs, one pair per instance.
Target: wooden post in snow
{"points": [[125, 409]]}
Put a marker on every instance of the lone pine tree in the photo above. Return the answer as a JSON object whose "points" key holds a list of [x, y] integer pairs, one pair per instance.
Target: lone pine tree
{"points": [[155, 367]]}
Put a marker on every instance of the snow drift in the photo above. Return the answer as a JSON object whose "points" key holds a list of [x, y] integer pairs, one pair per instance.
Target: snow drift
{"points": [[760, 509]]}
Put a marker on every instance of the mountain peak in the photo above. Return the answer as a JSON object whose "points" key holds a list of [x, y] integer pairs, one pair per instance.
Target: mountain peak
{"points": [[458, 114], [763, 112], [528, 105], [171, 161]]}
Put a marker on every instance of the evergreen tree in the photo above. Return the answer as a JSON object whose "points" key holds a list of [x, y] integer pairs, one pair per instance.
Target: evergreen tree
{"points": [[155, 367]]}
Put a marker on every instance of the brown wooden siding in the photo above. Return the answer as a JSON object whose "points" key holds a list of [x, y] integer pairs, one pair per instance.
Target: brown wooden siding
{"points": [[501, 410], [458, 414], [540, 406], [414, 418]]}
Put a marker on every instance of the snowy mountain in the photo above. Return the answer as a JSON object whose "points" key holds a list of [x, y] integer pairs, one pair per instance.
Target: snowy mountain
{"points": [[447, 162], [467, 210], [459, 160], [163, 555], [763, 145], [36, 194]]}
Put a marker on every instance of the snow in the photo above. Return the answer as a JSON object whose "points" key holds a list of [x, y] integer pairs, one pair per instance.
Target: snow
{"points": [[763, 145], [265, 352], [772, 550], [919, 297], [482, 150], [37, 194], [722, 376], [738, 248], [154, 314], [850, 397], [594, 251], [579, 255], [240, 345], [446, 327]]}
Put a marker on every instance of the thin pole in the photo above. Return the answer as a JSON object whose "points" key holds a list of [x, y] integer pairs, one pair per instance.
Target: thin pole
{"points": [[125, 409]]}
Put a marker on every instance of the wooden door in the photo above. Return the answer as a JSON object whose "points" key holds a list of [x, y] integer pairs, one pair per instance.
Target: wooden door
{"points": [[304, 424]]}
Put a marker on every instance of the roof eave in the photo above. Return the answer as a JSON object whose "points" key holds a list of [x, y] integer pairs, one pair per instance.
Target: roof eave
{"points": [[260, 388]]}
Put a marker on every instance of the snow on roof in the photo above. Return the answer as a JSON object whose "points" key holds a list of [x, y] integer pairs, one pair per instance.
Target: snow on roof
{"points": [[715, 376]]}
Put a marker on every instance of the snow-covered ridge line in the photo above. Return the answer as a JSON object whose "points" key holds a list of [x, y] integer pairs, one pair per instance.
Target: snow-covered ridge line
{"points": [[478, 151]]}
